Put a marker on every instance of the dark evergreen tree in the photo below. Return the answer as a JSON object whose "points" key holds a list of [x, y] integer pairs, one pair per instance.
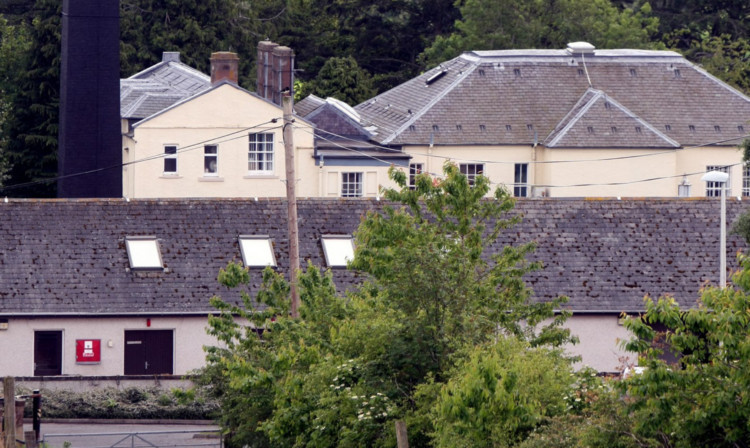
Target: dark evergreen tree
{"points": [[342, 79]]}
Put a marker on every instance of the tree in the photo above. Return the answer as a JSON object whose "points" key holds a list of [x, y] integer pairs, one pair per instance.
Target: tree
{"points": [[349, 366], [343, 79], [14, 44], [702, 398], [497, 25]]}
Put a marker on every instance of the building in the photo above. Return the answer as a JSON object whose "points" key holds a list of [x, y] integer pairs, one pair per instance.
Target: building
{"points": [[569, 123], [114, 288]]}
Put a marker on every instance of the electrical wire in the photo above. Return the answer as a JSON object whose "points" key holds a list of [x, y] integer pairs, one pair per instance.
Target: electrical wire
{"points": [[220, 139]]}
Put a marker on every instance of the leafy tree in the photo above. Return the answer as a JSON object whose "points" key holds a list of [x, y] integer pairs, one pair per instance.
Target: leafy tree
{"points": [[14, 44], [701, 399], [31, 127], [497, 25], [342, 79]]}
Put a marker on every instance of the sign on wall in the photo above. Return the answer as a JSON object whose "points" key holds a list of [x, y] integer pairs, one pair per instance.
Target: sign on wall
{"points": [[88, 351]]}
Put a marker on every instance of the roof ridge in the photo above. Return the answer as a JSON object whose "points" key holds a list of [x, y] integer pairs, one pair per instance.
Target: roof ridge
{"points": [[428, 106]]}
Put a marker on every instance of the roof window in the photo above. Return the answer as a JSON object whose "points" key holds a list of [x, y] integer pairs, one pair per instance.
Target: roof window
{"points": [[412, 128], [614, 129], [508, 127], [607, 105], [691, 128], [633, 73], [481, 72], [530, 127], [638, 130], [338, 249], [517, 72], [580, 72], [482, 128], [590, 129], [741, 128], [677, 73], [717, 128], [667, 127], [435, 77], [435, 127], [459, 127], [257, 251], [143, 253]]}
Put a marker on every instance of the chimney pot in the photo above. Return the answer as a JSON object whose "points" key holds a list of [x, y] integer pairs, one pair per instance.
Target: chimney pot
{"points": [[224, 67]]}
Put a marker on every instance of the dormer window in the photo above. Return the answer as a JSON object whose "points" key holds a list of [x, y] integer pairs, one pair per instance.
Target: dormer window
{"points": [[338, 249], [143, 253], [256, 251]]}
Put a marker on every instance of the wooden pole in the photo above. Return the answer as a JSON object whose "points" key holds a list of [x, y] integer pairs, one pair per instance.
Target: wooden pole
{"points": [[402, 438], [9, 416], [291, 198]]}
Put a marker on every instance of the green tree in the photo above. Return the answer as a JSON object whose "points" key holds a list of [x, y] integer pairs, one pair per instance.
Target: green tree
{"points": [[497, 25], [343, 79], [14, 45], [702, 399]]}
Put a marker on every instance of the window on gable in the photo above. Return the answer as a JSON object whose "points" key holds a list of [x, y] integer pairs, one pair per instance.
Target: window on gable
{"points": [[351, 185], [210, 160], [260, 153], [471, 171], [713, 189], [143, 253], [170, 159], [257, 251], [338, 249], [414, 169]]}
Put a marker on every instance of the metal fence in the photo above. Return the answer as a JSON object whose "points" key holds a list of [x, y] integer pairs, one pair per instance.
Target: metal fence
{"points": [[141, 439]]}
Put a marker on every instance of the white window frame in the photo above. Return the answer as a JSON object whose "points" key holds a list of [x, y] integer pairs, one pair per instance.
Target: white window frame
{"points": [[521, 180], [713, 189], [746, 180], [260, 153], [144, 253], [414, 170], [352, 184], [471, 171], [170, 155], [338, 250], [256, 251], [209, 158]]}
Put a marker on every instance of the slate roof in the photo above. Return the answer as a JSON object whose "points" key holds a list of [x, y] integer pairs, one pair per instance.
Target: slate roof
{"points": [[68, 257], [159, 87], [523, 96]]}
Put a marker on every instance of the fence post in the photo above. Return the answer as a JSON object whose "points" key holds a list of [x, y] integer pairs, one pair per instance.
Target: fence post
{"points": [[402, 438], [37, 409], [9, 416]]}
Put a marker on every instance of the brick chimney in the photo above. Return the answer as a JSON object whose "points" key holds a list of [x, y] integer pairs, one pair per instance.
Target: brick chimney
{"points": [[275, 71], [224, 67]]}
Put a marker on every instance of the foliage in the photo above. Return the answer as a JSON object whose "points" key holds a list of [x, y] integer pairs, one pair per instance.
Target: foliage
{"points": [[497, 25], [14, 44], [499, 393], [128, 403], [342, 79], [702, 399]]}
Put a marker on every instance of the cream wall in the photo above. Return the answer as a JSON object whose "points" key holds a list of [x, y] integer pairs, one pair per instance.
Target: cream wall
{"points": [[17, 342], [210, 118], [599, 346], [584, 166]]}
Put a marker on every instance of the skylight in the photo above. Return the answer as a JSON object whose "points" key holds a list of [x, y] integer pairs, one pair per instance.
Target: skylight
{"points": [[257, 251], [143, 252], [338, 249]]}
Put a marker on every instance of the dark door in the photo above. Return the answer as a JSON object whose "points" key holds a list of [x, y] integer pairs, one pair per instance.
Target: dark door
{"points": [[148, 352], [47, 353]]}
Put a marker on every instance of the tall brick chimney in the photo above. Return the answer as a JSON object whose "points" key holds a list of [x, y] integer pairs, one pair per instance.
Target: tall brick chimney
{"points": [[224, 67], [90, 139], [275, 71]]}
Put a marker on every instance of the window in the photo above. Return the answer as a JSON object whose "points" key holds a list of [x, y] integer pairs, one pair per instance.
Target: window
{"points": [[351, 185], [677, 73], [691, 128], [638, 130], [614, 129], [667, 127], [471, 170], [508, 127], [414, 169], [338, 249], [517, 72], [633, 72], [482, 128], [257, 251], [717, 128], [713, 189], [590, 129], [210, 160], [459, 127], [143, 253], [521, 180], [170, 160], [435, 128], [260, 153], [746, 180]]}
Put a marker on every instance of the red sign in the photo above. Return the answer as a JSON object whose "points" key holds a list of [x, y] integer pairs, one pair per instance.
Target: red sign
{"points": [[88, 351]]}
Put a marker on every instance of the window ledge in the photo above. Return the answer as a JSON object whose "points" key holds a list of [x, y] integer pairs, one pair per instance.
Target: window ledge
{"points": [[260, 176], [170, 176], [210, 179]]}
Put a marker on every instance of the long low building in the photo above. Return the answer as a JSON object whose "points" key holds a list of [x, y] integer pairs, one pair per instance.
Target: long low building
{"points": [[115, 287]]}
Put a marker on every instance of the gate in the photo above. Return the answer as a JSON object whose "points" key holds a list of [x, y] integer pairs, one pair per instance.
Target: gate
{"points": [[162, 439]]}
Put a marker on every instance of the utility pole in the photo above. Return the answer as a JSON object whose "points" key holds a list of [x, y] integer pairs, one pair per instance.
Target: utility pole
{"points": [[291, 199]]}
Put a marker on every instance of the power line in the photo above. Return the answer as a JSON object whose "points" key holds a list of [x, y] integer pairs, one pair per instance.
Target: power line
{"points": [[220, 139]]}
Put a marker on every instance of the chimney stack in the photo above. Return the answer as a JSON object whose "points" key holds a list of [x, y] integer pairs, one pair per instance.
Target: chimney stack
{"points": [[224, 67], [275, 71]]}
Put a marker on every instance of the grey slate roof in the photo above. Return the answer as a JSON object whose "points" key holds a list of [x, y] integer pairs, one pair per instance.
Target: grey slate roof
{"points": [[62, 257], [522, 96], [160, 86]]}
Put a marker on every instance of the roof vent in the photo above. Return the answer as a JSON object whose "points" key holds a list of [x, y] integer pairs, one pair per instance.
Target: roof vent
{"points": [[170, 56], [580, 48]]}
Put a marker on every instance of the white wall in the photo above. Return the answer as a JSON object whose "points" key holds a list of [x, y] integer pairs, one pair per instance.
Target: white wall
{"points": [[17, 342], [599, 347]]}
